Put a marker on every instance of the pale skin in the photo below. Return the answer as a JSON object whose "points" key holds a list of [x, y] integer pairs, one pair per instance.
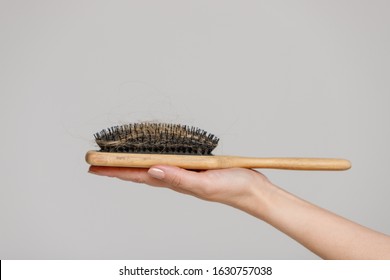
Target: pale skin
{"points": [[324, 233]]}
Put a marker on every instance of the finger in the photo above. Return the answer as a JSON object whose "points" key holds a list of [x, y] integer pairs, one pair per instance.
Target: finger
{"points": [[179, 179], [133, 174], [136, 175]]}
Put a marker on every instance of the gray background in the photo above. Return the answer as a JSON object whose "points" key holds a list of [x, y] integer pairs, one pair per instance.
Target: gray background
{"points": [[270, 78]]}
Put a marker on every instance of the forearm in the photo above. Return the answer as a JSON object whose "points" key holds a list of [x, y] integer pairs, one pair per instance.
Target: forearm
{"points": [[324, 233]]}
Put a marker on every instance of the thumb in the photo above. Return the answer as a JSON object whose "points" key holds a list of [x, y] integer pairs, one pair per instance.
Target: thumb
{"points": [[177, 178]]}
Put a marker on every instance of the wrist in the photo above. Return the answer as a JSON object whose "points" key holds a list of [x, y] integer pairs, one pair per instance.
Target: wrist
{"points": [[257, 201]]}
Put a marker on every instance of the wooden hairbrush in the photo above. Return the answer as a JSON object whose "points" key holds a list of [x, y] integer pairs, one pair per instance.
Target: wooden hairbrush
{"points": [[147, 144]]}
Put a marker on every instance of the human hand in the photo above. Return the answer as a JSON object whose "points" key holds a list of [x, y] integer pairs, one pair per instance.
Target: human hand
{"points": [[237, 187], [252, 192]]}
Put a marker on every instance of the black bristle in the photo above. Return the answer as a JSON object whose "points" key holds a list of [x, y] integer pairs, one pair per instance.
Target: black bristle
{"points": [[159, 138]]}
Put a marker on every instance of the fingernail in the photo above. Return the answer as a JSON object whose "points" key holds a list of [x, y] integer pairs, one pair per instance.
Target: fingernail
{"points": [[156, 173]]}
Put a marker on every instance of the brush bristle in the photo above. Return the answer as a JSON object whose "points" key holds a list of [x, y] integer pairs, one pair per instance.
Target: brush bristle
{"points": [[156, 138]]}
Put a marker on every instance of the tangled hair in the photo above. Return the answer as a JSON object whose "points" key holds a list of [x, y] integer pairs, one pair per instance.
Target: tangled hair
{"points": [[156, 138]]}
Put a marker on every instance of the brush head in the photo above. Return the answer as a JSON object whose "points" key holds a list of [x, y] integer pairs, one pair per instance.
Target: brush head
{"points": [[156, 138]]}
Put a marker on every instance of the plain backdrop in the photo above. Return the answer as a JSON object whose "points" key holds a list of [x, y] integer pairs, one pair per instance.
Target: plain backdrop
{"points": [[270, 78]]}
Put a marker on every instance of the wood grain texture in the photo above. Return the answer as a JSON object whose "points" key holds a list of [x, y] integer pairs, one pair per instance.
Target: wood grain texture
{"points": [[213, 162]]}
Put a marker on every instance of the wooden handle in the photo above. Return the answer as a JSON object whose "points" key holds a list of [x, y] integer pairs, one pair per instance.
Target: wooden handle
{"points": [[213, 162]]}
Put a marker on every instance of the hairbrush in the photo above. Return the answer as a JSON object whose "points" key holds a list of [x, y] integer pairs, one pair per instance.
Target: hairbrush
{"points": [[147, 144]]}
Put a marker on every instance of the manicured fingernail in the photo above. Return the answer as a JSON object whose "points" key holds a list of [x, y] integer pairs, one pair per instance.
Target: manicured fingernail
{"points": [[156, 173], [93, 172]]}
